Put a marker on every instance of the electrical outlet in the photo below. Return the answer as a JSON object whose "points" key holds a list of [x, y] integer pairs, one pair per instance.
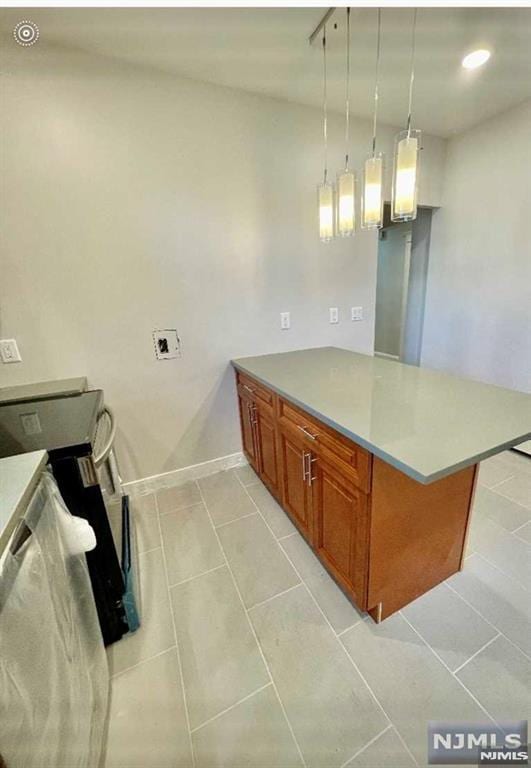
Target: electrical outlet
{"points": [[356, 313], [285, 321], [334, 314], [9, 351]]}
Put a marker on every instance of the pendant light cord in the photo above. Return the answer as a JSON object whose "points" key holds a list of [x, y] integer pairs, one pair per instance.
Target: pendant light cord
{"points": [[347, 93], [412, 78], [376, 73], [325, 108]]}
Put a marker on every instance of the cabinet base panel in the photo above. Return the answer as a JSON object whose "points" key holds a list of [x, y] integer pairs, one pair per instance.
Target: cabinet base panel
{"points": [[417, 537]]}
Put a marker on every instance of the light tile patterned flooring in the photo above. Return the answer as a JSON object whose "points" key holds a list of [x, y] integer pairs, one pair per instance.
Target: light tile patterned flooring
{"points": [[250, 655]]}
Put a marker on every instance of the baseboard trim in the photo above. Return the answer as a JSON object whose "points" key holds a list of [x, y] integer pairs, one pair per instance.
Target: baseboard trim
{"points": [[184, 475]]}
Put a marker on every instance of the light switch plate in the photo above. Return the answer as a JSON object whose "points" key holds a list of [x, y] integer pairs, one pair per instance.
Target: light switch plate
{"points": [[9, 351], [356, 313], [285, 321], [334, 314], [167, 344]]}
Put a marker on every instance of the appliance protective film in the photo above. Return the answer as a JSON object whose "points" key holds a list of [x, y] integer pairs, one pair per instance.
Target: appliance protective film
{"points": [[54, 679]]}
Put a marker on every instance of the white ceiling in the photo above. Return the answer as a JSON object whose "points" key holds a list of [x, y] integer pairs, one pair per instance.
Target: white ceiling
{"points": [[266, 51]]}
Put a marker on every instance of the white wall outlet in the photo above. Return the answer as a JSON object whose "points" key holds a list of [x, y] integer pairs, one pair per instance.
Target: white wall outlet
{"points": [[167, 344], [9, 351], [334, 314], [31, 423], [285, 321], [356, 313]]}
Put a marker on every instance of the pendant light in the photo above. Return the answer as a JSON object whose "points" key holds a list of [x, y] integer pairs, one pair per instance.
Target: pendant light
{"points": [[406, 157], [325, 190], [372, 196], [346, 182]]}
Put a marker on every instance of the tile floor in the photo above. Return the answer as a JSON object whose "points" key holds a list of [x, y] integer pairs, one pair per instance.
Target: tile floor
{"points": [[250, 655]]}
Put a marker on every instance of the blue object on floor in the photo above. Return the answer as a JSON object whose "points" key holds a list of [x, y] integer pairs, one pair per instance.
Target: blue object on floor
{"points": [[129, 600]]}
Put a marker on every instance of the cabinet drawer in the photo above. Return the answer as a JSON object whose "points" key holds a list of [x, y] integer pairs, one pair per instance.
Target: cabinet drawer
{"points": [[256, 391], [350, 458]]}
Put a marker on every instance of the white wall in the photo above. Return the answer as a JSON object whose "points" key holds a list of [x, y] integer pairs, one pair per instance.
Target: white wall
{"points": [[134, 201], [478, 304]]}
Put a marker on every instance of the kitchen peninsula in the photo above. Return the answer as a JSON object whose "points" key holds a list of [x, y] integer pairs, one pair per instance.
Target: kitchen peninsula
{"points": [[374, 461]]}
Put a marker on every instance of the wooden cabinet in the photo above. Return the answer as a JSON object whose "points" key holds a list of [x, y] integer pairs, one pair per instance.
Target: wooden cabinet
{"points": [[385, 538], [340, 526], [247, 430], [259, 437], [296, 494], [266, 444]]}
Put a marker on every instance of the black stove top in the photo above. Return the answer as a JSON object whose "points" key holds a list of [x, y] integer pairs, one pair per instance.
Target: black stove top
{"points": [[52, 424]]}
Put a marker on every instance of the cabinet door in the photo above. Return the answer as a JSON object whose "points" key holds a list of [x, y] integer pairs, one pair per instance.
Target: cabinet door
{"points": [[267, 450], [295, 489], [248, 434], [340, 528]]}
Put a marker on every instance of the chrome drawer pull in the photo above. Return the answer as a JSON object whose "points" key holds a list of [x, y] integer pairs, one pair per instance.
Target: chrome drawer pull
{"points": [[307, 433], [311, 477], [304, 454], [307, 476]]}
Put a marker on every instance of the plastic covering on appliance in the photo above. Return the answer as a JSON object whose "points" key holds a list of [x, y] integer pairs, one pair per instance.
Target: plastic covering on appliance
{"points": [[54, 679]]}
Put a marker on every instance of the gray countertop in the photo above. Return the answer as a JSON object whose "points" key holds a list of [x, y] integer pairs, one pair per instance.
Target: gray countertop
{"points": [[19, 476], [42, 389], [426, 423]]}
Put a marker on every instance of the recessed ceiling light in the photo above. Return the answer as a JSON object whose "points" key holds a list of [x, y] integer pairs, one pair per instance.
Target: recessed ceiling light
{"points": [[476, 59]]}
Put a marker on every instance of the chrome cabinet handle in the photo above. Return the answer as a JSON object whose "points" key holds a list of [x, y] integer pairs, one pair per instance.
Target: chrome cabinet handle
{"points": [[252, 413], [304, 455], [311, 460], [307, 433], [249, 389], [307, 461]]}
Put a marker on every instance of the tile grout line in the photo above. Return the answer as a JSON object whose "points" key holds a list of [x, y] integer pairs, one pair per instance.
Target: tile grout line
{"points": [[196, 576], [480, 705], [235, 520], [523, 524], [505, 496], [232, 706], [367, 745], [288, 535], [179, 662], [139, 663], [259, 482], [178, 509], [342, 647], [500, 482], [273, 597], [487, 621], [344, 631], [497, 568], [147, 551], [251, 625], [485, 645]]}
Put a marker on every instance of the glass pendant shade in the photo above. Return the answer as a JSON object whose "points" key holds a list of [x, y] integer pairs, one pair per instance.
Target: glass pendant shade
{"points": [[372, 193], [325, 196], [405, 176], [346, 209]]}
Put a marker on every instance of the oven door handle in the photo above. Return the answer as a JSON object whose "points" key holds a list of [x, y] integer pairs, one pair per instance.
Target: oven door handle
{"points": [[104, 453]]}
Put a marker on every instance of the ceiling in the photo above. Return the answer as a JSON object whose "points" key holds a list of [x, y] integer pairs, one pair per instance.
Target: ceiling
{"points": [[266, 51]]}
